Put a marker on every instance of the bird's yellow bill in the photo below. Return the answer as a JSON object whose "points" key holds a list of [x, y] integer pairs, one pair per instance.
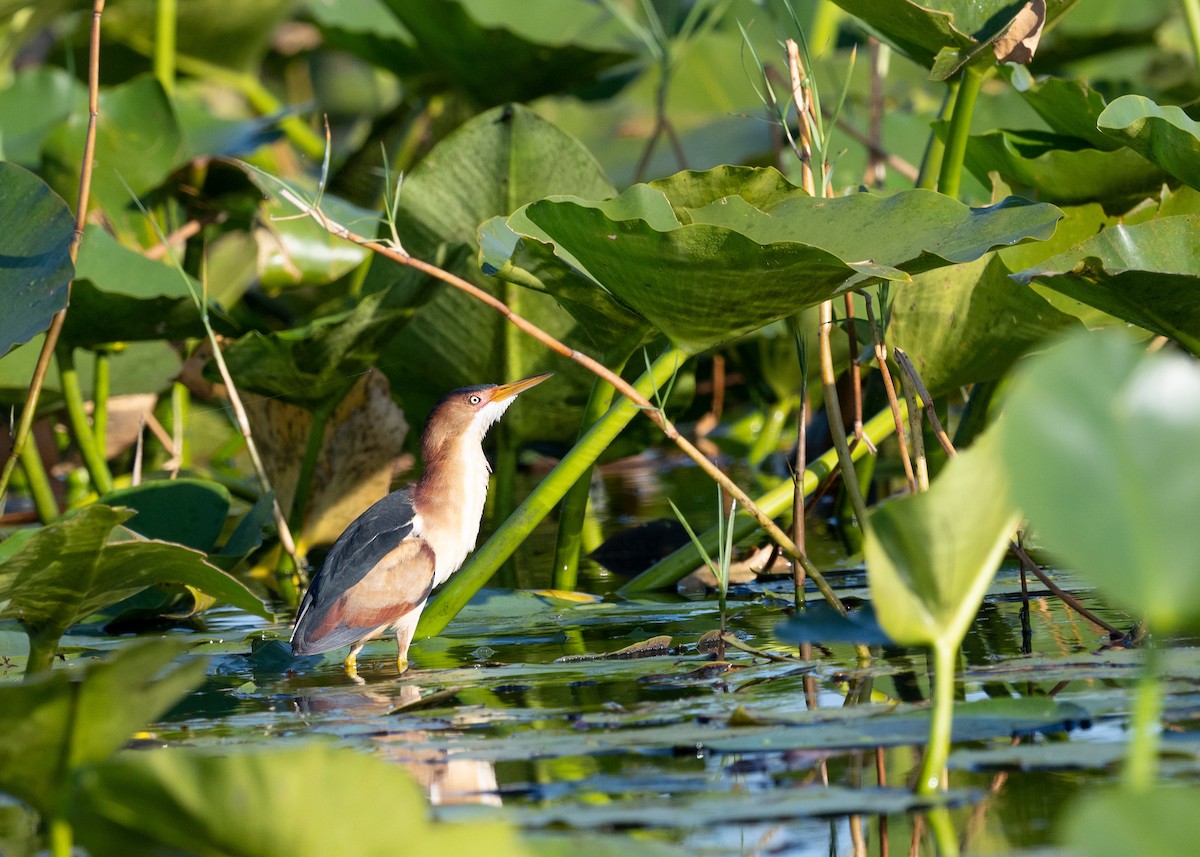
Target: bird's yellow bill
{"points": [[506, 391]]}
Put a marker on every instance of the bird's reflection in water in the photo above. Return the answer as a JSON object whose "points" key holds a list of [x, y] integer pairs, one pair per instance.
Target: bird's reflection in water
{"points": [[445, 780]]}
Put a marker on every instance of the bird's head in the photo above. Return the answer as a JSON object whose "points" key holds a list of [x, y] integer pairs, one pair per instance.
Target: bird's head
{"points": [[469, 412]]}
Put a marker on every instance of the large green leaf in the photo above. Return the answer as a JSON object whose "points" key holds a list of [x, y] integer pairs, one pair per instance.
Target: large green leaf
{"points": [[314, 364], [66, 571], [138, 144], [1164, 135], [1069, 107], [37, 102], [1061, 169], [202, 802], [53, 725], [931, 556], [35, 263], [1099, 431], [120, 296], [495, 163], [190, 512], [753, 250], [552, 46], [1148, 274], [967, 323], [957, 30]]}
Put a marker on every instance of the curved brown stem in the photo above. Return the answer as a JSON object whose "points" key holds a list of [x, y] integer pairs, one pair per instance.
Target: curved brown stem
{"points": [[21, 436], [596, 368]]}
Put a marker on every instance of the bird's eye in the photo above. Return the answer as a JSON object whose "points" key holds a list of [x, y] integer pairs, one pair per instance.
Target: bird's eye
{"points": [[474, 400]]}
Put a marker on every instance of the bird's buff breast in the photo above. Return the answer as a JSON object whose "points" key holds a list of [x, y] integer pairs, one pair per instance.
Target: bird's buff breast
{"points": [[458, 511]]}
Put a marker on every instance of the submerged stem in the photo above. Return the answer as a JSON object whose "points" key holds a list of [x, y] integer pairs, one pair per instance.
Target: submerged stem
{"points": [[937, 749], [1141, 764]]}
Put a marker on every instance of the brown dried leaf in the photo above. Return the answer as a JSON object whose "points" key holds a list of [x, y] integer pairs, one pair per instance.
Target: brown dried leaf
{"points": [[363, 438], [1020, 41]]}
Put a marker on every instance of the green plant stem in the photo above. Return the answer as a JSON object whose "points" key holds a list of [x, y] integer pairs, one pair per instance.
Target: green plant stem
{"points": [[164, 44], [93, 459], [61, 837], [1191, 13], [573, 513], [42, 649], [778, 501], [935, 149], [181, 400], [767, 439], [101, 385], [40, 488], [1141, 762], [950, 175], [937, 749], [942, 829], [483, 563]]}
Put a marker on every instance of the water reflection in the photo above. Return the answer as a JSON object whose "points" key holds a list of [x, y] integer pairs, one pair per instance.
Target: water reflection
{"points": [[446, 780]]}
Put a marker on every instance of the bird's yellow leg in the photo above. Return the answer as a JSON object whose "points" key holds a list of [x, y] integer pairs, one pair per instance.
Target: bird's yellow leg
{"points": [[351, 662], [404, 634]]}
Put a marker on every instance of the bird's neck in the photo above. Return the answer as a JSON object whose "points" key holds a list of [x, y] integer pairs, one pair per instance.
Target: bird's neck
{"points": [[450, 498]]}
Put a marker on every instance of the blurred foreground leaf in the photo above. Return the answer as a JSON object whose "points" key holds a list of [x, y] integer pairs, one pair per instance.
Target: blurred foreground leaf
{"points": [[66, 571], [1098, 431], [260, 803], [57, 723]]}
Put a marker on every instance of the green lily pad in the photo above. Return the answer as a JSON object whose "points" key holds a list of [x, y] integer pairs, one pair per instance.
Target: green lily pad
{"points": [[52, 726], [968, 323], [1163, 135], [1061, 169], [1069, 107], [37, 102], [66, 571], [552, 46], [314, 364], [368, 29], [1098, 430], [121, 296], [138, 144], [944, 34], [236, 36], [139, 367], [706, 275], [297, 251], [36, 228], [1146, 274], [190, 512]]}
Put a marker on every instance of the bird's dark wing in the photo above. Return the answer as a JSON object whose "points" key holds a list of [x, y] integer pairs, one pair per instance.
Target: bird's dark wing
{"points": [[396, 586], [364, 545]]}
